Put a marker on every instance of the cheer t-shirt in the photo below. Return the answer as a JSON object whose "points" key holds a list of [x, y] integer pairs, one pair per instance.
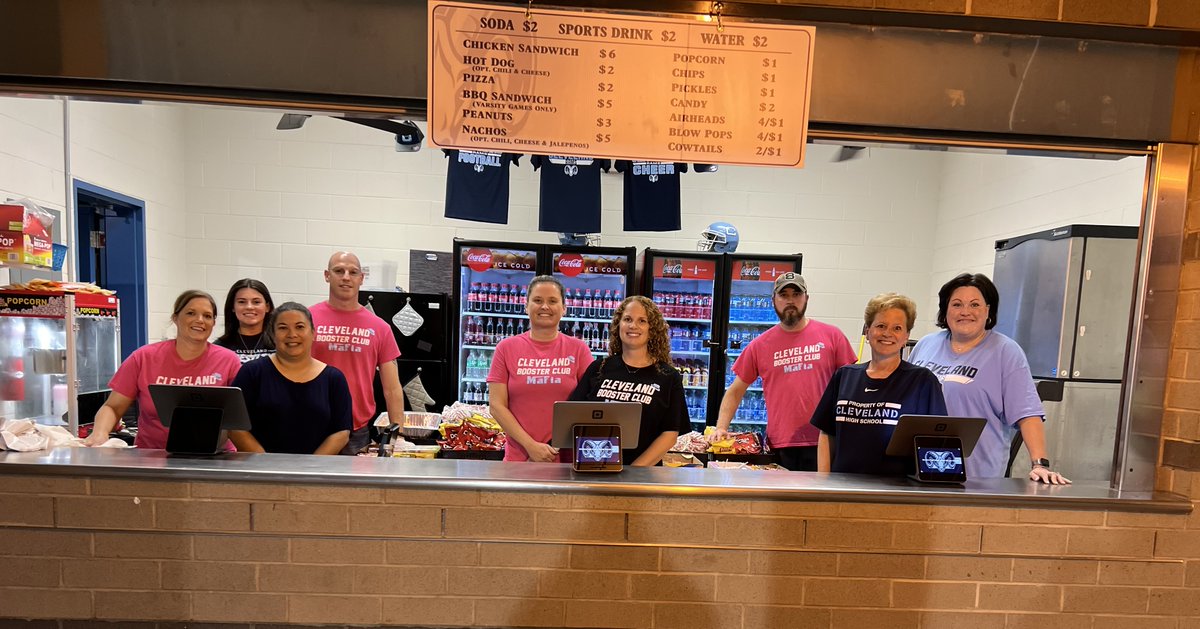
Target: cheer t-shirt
{"points": [[651, 195], [247, 348], [658, 388], [159, 363], [991, 380], [537, 375], [356, 342], [795, 368], [860, 413], [569, 193], [477, 185]]}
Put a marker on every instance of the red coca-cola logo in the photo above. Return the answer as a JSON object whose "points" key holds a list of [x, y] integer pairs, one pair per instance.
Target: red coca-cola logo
{"points": [[673, 270], [479, 259], [570, 264]]}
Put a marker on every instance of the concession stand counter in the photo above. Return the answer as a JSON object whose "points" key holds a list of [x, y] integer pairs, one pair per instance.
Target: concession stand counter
{"points": [[128, 535]]}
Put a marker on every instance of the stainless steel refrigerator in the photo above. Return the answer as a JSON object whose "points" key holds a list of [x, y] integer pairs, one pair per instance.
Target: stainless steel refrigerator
{"points": [[1065, 297]]}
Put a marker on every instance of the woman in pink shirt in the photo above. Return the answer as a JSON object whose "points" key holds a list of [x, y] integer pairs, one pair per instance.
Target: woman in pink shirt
{"points": [[187, 359], [532, 371]]}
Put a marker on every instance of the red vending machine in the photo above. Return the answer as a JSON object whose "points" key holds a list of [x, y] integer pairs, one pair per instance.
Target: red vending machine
{"points": [[489, 298], [749, 308], [686, 286]]}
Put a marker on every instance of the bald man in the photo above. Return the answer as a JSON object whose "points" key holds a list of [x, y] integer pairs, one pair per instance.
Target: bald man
{"points": [[353, 339]]}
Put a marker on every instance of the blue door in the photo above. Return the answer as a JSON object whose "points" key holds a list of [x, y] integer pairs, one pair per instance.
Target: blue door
{"points": [[110, 247]]}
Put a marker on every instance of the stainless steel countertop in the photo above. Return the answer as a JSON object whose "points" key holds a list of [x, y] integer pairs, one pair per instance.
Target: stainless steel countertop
{"points": [[556, 478]]}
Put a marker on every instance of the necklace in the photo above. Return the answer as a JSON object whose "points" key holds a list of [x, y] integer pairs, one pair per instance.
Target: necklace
{"points": [[257, 343], [633, 370], [960, 348]]}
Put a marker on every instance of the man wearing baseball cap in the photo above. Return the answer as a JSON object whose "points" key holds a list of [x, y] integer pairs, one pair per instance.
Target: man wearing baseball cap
{"points": [[795, 360]]}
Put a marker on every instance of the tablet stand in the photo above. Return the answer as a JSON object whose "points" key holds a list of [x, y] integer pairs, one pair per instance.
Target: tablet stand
{"points": [[597, 447], [195, 431]]}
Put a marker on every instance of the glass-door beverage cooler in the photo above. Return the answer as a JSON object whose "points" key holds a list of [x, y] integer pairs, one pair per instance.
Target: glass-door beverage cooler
{"points": [[749, 285], [490, 294], [685, 286]]}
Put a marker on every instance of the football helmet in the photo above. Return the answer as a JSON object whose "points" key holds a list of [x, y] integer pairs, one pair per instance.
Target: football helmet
{"points": [[720, 237], [579, 240]]}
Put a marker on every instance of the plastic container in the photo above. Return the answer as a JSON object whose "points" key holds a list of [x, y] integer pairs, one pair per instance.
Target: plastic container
{"points": [[416, 452], [420, 425]]}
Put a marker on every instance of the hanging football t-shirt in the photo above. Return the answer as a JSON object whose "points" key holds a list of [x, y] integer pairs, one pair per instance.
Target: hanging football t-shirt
{"points": [[570, 193], [477, 185], [651, 195]]}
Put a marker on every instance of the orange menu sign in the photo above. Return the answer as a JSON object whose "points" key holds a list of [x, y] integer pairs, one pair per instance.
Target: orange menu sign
{"points": [[618, 86]]}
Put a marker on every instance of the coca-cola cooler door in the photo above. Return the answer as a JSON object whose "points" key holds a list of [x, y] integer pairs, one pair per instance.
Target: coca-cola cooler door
{"points": [[751, 309], [492, 285], [684, 286], [594, 283]]}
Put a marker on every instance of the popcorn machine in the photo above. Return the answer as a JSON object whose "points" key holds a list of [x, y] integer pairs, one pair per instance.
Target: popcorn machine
{"points": [[54, 346]]}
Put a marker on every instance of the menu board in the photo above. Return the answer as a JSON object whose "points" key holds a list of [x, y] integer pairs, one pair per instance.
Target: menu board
{"points": [[618, 86]]}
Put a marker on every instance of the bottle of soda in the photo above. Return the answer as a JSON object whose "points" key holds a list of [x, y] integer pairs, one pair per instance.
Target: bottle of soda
{"points": [[489, 332], [473, 297], [508, 328], [587, 304], [522, 299], [609, 304]]}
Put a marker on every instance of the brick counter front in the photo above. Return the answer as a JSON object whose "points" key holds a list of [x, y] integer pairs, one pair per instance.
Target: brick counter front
{"points": [[245, 553]]}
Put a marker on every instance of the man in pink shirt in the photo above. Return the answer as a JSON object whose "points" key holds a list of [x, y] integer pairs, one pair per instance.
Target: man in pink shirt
{"points": [[354, 340], [795, 359]]}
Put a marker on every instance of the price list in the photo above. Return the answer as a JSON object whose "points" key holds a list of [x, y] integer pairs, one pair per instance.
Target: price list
{"points": [[622, 87]]}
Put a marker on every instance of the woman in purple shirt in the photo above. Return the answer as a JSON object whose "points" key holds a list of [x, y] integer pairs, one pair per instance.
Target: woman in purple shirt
{"points": [[985, 374]]}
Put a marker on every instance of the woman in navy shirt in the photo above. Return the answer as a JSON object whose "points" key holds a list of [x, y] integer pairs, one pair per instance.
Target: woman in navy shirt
{"points": [[863, 403], [297, 404]]}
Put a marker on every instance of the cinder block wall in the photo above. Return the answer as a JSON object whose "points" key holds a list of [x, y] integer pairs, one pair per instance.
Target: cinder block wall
{"points": [[74, 548]]}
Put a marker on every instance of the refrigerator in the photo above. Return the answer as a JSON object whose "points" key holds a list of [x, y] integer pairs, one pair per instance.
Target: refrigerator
{"points": [[421, 324], [1065, 298], [715, 304], [490, 292]]}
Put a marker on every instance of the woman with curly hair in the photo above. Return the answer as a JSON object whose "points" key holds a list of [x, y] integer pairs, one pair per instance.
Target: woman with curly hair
{"points": [[638, 369]]}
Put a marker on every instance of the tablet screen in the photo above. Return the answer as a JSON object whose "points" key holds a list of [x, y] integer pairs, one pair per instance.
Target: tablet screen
{"points": [[597, 448], [940, 459]]}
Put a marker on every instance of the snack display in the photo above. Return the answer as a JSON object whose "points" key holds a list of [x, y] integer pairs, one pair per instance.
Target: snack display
{"points": [[693, 442], [470, 427], [738, 443]]}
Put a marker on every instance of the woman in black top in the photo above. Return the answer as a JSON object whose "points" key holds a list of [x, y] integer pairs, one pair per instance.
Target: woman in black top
{"points": [[297, 404], [248, 305], [638, 369]]}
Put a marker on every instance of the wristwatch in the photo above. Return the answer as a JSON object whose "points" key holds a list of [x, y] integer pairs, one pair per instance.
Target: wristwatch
{"points": [[1041, 463]]}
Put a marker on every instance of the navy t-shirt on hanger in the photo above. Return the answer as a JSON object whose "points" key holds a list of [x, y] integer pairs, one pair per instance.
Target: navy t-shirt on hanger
{"points": [[477, 185], [570, 193], [651, 195]]}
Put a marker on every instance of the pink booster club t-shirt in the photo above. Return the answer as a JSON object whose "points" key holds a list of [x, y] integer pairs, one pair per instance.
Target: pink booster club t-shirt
{"points": [[357, 343], [537, 375], [159, 363], [795, 368]]}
